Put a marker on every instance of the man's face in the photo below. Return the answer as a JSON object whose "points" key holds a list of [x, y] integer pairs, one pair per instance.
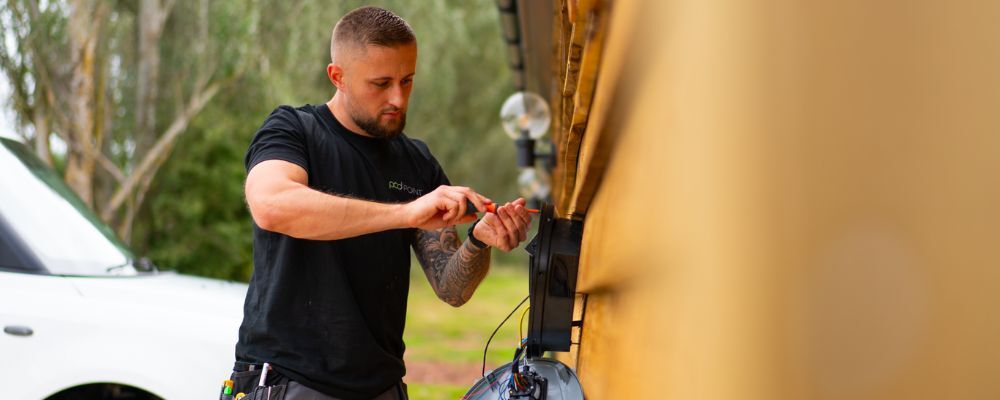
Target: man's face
{"points": [[376, 84]]}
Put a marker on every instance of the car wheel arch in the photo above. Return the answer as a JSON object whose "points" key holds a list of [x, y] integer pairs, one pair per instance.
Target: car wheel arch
{"points": [[104, 391]]}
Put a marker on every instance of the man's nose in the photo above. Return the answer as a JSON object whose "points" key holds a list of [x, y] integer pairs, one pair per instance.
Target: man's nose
{"points": [[398, 96]]}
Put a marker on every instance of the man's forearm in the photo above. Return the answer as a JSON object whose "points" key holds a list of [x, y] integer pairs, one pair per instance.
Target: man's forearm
{"points": [[305, 213], [454, 270], [465, 270]]}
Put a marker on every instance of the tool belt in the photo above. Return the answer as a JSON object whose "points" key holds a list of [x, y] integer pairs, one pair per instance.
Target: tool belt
{"points": [[241, 366], [260, 382], [254, 382]]}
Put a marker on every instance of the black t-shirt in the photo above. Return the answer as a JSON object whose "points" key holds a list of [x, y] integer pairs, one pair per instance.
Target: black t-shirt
{"points": [[330, 314]]}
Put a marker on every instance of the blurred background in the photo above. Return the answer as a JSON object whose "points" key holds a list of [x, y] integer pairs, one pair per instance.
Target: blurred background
{"points": [[167, 94], [146, 109]]}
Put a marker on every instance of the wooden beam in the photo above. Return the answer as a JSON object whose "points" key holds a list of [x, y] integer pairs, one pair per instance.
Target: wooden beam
{"points": [[582, 66], [601, 128], [567, 140]]}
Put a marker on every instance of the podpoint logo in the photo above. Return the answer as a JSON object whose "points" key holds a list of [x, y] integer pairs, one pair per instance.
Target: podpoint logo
{"points": [[393, 185]]}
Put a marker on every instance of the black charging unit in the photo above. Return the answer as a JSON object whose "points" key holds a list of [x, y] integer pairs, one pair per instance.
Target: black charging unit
{"points": [[553, 265]]}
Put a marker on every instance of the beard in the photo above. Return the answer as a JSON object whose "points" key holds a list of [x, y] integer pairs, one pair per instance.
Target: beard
{"points": [[378, 130]]}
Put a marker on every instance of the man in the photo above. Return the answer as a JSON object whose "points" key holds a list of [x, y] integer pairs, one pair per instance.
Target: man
{"points": [[338, 194]]}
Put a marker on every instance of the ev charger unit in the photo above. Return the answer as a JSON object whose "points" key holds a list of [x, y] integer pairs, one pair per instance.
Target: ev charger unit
{"points": [[553, 263]]}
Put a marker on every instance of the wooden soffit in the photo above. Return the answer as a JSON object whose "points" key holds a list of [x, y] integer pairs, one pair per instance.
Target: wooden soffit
{"points": [[592, 43]]}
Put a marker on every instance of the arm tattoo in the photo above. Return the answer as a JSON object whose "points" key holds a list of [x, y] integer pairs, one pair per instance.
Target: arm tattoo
{"points": [[453, 269]]}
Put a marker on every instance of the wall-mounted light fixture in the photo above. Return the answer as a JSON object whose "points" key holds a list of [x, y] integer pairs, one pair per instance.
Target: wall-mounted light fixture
{"points": [[525, 117]]}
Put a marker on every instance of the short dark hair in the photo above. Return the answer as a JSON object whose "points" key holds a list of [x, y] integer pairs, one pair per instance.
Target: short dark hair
{"points": [[370, 26]]}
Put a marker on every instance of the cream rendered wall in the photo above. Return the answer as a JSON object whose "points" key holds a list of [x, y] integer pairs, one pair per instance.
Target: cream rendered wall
{"points": [[802, 202]]}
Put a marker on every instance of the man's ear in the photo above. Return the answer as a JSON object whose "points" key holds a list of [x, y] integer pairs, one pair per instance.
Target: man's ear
{"points": [[336, 75]]}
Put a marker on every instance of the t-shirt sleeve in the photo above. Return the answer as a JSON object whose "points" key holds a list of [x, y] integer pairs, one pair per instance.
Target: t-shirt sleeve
{"points": [[281, 137]]}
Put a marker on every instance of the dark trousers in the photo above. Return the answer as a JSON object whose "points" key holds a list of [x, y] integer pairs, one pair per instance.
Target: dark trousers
{"points": [[280, 387]]}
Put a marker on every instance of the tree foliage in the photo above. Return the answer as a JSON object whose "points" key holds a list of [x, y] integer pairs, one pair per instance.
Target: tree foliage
{"points": [[94, 75], [185, 209]]}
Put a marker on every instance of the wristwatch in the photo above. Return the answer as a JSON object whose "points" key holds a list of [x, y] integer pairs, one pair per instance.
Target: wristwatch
{"points": [[472, 238]]}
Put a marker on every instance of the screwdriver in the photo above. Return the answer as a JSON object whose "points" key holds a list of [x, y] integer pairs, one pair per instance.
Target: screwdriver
{"points": [[491, 208]]}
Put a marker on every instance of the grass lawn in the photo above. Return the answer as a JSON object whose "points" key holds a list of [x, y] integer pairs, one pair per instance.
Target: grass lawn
{"points": [[426, 391], [445, 344]]}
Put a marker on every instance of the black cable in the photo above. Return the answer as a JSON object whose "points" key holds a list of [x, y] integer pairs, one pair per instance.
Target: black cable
{"points": [[498, 329]]}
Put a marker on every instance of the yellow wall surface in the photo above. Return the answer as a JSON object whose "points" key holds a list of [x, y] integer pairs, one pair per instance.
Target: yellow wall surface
{"points": [[801, 201]]}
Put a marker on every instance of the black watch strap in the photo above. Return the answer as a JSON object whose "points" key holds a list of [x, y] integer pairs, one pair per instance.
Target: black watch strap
{"points": [[472, 238]]}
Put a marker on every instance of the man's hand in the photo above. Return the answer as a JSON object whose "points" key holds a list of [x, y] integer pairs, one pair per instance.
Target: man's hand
{"points": [[445, 206], [505, 229]]}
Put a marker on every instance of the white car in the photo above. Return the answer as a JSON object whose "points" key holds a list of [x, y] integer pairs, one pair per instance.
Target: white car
{"points": [[83, 319]]}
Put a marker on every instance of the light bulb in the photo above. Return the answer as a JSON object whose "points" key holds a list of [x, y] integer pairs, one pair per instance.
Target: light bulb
{"points": [[525, 112], [533, 185]]}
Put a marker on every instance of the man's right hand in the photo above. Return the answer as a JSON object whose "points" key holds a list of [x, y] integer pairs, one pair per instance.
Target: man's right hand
{"points": [[445, 206]]}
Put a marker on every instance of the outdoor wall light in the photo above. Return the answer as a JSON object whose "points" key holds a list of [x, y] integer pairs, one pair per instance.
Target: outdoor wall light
{"points": [[534, 186], [525, 117]]}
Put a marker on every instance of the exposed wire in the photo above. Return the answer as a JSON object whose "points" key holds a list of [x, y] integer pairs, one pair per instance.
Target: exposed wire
{"points": [[498, 383], [497, 329], [520, 326], [518, 381]]}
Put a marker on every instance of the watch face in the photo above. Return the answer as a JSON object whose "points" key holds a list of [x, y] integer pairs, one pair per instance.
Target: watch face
{"points": [[473, 238]]}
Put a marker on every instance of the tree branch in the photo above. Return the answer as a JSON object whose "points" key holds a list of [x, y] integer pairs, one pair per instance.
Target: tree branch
{"points": [[161, 149]]}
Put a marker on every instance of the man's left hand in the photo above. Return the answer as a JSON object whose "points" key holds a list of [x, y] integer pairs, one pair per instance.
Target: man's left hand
{"points": [[506, 228]]}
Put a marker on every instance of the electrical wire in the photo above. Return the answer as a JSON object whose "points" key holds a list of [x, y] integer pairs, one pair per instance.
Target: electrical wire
{"points": [[497, 329], [516, 379], [485, 388], [520, 326]]}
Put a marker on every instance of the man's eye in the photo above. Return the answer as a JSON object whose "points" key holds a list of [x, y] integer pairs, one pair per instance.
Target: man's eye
{"points": [[407, 81], [382, 85]]}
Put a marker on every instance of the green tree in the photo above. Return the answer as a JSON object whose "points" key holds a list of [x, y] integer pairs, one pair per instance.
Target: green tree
{"points": [[90, 74]]}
